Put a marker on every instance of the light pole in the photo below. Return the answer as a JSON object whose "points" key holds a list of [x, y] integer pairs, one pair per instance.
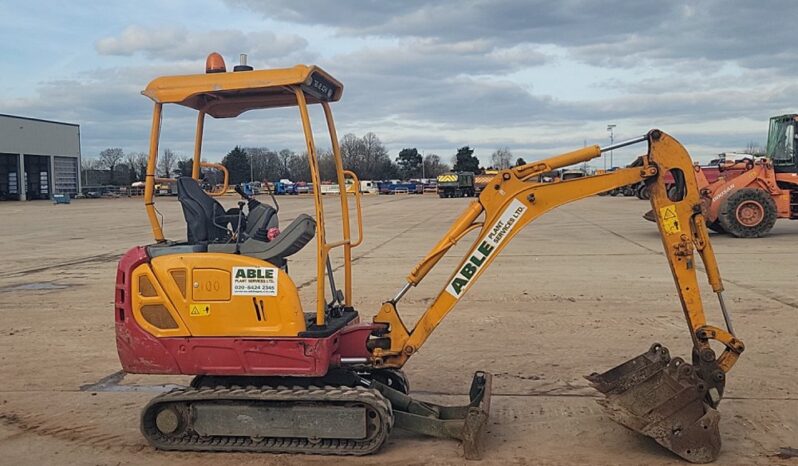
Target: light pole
{"points": [[611, 129], [251, 170]]}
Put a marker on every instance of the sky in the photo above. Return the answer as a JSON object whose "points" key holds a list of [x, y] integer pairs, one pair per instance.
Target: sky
{"points": [[538, 77]]}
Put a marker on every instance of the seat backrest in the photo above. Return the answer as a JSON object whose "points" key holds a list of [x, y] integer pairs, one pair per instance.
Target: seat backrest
{"points": [[200, 211]]}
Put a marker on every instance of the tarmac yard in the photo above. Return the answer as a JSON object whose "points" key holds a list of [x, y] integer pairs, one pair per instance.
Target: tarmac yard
{"points": [[581, 290]]}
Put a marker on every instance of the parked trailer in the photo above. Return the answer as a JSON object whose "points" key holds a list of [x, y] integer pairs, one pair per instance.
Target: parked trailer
{"points": [[392, 187], [369, 187], [329, 189]]}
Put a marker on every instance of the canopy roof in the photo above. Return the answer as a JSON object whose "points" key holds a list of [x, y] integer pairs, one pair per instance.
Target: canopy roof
{"points": [[229, 94]]}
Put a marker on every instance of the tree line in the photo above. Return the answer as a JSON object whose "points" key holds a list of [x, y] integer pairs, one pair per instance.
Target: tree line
{"points": [[367, 156]]}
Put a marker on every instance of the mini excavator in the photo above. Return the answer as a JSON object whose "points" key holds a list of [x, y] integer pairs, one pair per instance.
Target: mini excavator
{"points": [[269, 377]]}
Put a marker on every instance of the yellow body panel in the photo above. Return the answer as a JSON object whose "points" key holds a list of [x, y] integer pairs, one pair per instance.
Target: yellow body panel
{"points": [[147, 291], [219, 300]]}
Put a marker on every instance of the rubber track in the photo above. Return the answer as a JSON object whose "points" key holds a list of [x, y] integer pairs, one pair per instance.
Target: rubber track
{"points": [[190, 441]]}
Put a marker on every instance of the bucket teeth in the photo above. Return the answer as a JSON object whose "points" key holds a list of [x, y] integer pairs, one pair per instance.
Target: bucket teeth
{"points": [[662, 398]]}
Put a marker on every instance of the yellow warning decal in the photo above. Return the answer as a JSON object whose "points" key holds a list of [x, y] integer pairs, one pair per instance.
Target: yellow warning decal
{"points": [[670, 221], [199, 309]]}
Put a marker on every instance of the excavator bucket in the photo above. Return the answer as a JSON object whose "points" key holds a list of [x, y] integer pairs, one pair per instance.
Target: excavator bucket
{"points": [[664, 399]]}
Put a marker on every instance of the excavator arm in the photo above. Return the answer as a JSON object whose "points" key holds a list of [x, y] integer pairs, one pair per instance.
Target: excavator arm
{"points": [[681, 416]]}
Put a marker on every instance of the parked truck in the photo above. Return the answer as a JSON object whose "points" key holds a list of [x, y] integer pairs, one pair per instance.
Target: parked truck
{"points": [[284, 187], [460, 184]]}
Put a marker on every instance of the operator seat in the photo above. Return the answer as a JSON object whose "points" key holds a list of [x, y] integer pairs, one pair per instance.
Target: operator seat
{"points": [[207, 225], [206, 220]]}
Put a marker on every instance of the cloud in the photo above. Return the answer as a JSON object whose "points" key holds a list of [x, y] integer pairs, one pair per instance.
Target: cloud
{"points": [[432, 59], [608, 33], [538, 76], [178, 43]]}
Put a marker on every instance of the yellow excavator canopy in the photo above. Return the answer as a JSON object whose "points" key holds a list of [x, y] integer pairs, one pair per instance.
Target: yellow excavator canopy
{"points": [[229, 94]]}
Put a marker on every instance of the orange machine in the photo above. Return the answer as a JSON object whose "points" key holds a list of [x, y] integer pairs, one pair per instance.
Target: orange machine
{"points": [[751, 193], [747, 205], [269, 377]]}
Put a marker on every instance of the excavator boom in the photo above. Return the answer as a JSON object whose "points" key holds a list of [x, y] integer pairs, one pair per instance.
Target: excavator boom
{"points": [[668, 399]]}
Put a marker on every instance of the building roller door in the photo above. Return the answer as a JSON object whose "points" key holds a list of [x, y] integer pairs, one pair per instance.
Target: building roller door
{"points": [[37, 177], [65, 177], [9, 177]]}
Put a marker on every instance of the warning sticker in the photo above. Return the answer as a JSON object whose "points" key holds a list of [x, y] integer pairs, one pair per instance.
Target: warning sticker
{"points": [[260, 281], [199, 309], [670, 221]]}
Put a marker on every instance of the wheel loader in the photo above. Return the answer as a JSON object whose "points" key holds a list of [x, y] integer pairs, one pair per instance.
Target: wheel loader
{"points": [[746, 195], [221, 306]]}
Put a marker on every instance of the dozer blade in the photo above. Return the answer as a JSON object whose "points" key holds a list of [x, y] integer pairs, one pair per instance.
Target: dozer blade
{"points": [[465, 423], [662, 398]]}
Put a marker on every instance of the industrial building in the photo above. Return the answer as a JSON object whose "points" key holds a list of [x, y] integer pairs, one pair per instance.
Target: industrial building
{"points": [[38, 158]]}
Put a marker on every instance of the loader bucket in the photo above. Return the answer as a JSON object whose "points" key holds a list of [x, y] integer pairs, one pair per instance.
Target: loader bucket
{"points": [[662, 398]]}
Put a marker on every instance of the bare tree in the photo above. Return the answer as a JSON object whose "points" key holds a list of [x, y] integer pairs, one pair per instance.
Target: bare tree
{"points": [[367, 157], [185, 166], [137, 164], [433, 166], [110, 158], [376, 163], [752, 148], [87, 165], [266, 163], [327, 170], [352, 153], [299, 168], [285, 157], [142, 160], [502, 158], [167, 163]]}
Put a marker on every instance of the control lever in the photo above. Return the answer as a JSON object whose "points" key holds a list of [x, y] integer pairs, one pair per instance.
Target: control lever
{"points": [[240, 223], [241, 192]]}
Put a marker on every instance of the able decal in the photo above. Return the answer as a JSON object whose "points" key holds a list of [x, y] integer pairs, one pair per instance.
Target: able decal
{"points": [[255, 281], [199, 310], [670, 221], [487, 247]]}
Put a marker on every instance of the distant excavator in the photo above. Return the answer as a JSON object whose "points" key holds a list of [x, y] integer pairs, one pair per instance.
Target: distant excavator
{"points": [[221, 306]]}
